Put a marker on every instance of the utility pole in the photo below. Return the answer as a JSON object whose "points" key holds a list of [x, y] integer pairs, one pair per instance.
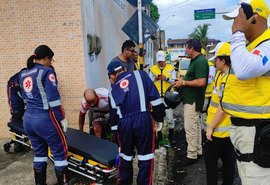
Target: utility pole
{"points": [[160, 46], [140, 34]]}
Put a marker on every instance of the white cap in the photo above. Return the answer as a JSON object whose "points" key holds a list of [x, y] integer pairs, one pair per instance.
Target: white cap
{"points": [[259, 6], [160, 56]]}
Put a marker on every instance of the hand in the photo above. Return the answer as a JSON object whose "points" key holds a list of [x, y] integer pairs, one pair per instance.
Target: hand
{"points": [[158, 126], [64, 123], [241, 23], [157, 78], [162, 77], [209, 132], [178, 83]]}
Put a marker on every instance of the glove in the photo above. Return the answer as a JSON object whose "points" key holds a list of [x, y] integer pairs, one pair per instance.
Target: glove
{"points": [[64, 123], [158, 126]]}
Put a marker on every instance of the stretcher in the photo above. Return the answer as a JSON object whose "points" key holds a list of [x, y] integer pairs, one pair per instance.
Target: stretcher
{"points": [[88, 156]]}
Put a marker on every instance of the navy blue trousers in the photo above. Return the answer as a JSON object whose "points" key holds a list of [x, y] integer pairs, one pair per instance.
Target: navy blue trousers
{"points": [[136, 130], [44, 130]]}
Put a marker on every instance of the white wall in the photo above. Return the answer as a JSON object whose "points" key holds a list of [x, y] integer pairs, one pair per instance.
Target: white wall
{"points": [[105, 19]]}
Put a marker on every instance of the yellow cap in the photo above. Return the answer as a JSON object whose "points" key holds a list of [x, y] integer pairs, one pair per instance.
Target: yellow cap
{"points": [[261, 7], [222, 49]]}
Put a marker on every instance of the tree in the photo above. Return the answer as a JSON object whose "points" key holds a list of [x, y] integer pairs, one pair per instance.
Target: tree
{"points": [[154, 14], [200, 33]]}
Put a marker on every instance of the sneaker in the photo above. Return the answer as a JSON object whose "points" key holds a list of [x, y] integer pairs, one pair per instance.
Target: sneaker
{"points": [[188, 162]]}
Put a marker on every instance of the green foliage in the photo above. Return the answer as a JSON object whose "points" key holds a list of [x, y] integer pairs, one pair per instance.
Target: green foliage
{"points": [[200, 33], [154, 14]]}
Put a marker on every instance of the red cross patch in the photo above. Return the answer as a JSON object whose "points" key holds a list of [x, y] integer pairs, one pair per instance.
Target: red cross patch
{"points": [[28, 84], [52, 77], [124, 83]]}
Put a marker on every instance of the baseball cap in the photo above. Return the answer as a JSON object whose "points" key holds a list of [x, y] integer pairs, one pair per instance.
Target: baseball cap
{"points": [[160, 56], [261, 7], [114, 66], [221, 49]]}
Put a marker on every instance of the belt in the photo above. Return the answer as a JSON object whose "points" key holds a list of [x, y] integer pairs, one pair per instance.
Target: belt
{"points": [[247, 122], [244, 157]]}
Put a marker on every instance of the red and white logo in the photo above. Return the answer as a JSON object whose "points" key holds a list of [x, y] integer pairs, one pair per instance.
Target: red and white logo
{"points": [[28, 84], [52, 77], [124, 83]]}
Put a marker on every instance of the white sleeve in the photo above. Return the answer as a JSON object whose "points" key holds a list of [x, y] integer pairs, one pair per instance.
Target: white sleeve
{"points": [[212, 73], [151, 75], [171, 80], [247, 64]]}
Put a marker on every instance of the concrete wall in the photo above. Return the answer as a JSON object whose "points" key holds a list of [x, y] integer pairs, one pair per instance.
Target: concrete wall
{"points": [[103, 18], [62, 25]]}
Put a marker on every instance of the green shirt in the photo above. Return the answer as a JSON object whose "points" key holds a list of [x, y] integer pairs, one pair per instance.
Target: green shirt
{"points": [[198, 68]]}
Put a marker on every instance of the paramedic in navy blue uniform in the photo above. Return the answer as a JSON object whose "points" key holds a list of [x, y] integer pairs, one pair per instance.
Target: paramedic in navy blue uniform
{"points": [[44, 118], [130, 98]]}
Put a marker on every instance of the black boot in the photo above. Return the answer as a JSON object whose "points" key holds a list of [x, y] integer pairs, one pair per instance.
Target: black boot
{"points": [[158, 139], [62, 176], [171, 137], [40, 175]]}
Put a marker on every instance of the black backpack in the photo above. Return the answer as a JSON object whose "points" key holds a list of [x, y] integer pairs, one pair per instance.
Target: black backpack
{"points": [[15, 100]]}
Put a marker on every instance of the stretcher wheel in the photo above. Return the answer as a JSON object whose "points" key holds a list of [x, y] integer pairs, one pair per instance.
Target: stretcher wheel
{"points": [[18, 147], [6, 147]]}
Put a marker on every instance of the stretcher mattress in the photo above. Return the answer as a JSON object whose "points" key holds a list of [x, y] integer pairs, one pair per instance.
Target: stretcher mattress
{"points": [[83, 144], [91, 147]]}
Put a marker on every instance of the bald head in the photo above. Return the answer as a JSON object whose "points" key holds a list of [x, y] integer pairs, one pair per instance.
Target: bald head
{"points": [[90, 97]]}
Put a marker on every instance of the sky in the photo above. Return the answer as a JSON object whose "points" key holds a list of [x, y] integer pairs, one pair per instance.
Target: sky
{"points": [[177, 17]]}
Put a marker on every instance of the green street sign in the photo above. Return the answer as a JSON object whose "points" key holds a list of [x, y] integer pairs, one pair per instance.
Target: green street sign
{"points": [[204, 14]]}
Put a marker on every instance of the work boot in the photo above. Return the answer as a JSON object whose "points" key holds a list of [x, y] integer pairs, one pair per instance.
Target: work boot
{"points": [[171, 137], [62, 176], [158, 139], [159, 136], [40, 175]]}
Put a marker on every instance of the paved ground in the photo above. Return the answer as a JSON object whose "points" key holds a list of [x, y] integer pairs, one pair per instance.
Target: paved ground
{"points": [[16, 168]]}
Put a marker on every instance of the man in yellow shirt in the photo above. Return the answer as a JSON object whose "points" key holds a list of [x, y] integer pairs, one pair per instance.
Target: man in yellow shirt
{"points": [[163, 75]]}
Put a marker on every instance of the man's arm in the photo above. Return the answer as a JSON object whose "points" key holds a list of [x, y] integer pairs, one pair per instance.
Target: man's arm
{"points": [[247, 64], [171, 80], [81, 120], [83, 111], [180, 82]]}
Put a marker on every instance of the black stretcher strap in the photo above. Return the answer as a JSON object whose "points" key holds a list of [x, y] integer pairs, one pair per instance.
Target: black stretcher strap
{"points": [[17, 127]]}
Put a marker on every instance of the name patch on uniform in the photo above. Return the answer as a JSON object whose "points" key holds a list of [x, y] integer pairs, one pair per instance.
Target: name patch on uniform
{"points": [[28, 84], [124, 83]]}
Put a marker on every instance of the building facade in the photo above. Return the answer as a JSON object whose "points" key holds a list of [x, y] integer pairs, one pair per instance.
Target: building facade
{"points": [[84, 35]]}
